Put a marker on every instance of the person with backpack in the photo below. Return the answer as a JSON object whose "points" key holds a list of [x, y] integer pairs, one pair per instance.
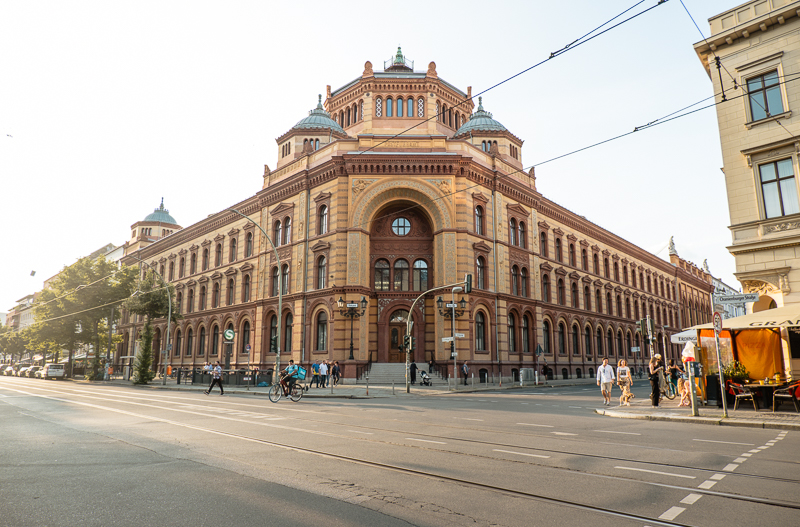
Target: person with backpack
{"points": [[465, 372]]}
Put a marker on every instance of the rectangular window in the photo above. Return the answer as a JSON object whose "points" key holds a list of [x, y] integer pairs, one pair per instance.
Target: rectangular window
{"points": [[778, 188], [764, 93]]}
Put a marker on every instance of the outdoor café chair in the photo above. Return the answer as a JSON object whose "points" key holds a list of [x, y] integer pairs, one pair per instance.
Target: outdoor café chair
{"points": [[787, 392], [742, 393]]}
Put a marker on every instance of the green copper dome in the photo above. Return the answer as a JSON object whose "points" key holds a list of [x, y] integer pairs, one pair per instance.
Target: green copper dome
{"points": [[481, 121], [318, 119], [161, 215]]}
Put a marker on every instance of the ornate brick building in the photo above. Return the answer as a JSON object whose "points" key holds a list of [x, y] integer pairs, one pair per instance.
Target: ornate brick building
{"points": [[356, 211]]}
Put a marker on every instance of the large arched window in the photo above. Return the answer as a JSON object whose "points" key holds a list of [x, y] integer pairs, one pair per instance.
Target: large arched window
{"points": [[512, 330], [275, 281], [543, 244], [285, 279], [420, 275], [322, 272], [629, 346], [193, 264], [514, 280], [628, 308], [182, 268], [215, 341], [322, 224], [619, 306], [546, 336], [201, 345], [619, 344], [584, 260], [205, 259], [401, 275], [218, 255], [521, 235], [246, 288], [481, 272], [512, 232], [381, 275], [203, 298], [545, 288], [598, 298], [523, 282], [322, 331], [273, 332], [189, 342], [480, 332], [287, 231], [277, 233], [231, 292], [575, 299], [171, 271], [190, 301], [178, 302], [610, 343], [287, 333], [410, 109], [526, 341], [616, 271], [596, 264], [609, 305], [232, 250], [587, 341], [559, 253], [576, 347], [244, 340], [389, 107], [636, 309], [562, 337], [479, 220], [400, 107], [606, 270], [248, 245], [587, 299], [215, 298], [599, 342], [178, 343], [561, 293], [572, 261]]}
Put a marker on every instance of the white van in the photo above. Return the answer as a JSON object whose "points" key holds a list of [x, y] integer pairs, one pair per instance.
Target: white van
{"points": [[52, 371]]}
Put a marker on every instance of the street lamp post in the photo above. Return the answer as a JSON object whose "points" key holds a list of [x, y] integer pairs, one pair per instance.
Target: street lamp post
{"points": [[454, 314], [169, 319], [350, 310]]}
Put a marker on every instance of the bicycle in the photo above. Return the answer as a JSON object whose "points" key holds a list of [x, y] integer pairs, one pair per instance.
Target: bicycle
{"points": [[295, 392], [665, 387]]}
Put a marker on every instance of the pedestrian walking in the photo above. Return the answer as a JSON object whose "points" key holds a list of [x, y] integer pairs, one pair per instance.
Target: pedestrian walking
{"points": [[625, 381], [431, 367], [315, 373], [465, 372], [323, 374], [605, 378], [654, 369], [675, 371], [216, 378], [413, 371], [336, 372]]}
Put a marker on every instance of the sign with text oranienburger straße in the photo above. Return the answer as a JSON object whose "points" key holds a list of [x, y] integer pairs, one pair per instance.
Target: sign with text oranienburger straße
{"points": [[736, 299]]}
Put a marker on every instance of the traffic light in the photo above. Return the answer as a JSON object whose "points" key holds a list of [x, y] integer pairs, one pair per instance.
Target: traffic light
{"points": [[406, 342], [413, 343], [273, 344], [468, 284]]}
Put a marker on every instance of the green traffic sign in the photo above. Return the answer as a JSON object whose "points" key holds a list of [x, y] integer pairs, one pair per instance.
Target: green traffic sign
{"points": [[229, 334]]}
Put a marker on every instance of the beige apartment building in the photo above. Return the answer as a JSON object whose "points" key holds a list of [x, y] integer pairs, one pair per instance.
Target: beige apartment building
{"points": [[757, 45]]}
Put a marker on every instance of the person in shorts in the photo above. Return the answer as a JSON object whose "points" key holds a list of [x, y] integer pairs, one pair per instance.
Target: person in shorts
{"points": [[605, 378]]}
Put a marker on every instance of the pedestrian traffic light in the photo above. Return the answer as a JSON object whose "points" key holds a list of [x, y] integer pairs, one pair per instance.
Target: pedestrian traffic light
{"points": [[468, 283], [406, 342], [273, 344], [413, 343]]}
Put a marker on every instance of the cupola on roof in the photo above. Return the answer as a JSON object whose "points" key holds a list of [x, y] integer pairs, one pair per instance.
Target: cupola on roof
{"points": [[318, 119], [161, 215], [481, 121], [398, 63]]}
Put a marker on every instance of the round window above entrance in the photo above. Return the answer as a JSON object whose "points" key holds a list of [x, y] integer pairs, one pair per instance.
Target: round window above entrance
{"points": [[401, 226]]}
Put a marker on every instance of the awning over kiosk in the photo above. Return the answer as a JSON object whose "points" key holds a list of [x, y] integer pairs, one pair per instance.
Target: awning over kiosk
{"points": [[690, 335], [781, 317]]}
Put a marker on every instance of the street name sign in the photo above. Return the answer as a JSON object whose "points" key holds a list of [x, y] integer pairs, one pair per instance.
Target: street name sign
{"points": [[447, 339], [736, 299], [352, 305], [459, 335], [451, 305], [635, 349]]}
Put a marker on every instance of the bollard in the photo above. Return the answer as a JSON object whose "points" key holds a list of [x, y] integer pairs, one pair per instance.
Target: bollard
{"points": [[331, 383], [392, 387], [368, 384], [473, 379]]}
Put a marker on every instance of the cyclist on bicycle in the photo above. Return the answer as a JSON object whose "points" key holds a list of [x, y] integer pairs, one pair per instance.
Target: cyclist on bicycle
{"points": [[288, 377]]}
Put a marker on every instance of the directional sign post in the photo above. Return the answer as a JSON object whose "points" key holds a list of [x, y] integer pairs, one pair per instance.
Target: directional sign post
{"points": [[447, 339], [717, 331], [737, 299]]}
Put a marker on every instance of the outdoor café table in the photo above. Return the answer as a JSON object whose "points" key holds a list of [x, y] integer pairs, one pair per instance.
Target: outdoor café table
{"points": [[766, 390]]}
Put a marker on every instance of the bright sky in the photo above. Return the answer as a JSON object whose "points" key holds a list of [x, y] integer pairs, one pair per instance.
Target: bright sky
{"points": [[108, 106]]}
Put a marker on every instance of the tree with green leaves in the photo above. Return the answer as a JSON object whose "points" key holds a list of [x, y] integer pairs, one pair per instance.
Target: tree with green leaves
{"points": [[14, 343], [151, 301]]}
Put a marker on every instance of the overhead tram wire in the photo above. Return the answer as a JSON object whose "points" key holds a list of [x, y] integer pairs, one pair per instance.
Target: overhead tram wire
{"points": [[574, 44]]}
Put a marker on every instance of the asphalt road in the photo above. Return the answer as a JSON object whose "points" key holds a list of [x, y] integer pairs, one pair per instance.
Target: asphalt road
{"points": [[98, 455]]}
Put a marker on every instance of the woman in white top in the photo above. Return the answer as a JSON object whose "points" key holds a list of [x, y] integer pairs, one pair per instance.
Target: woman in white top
{"points": [[625, 381]]}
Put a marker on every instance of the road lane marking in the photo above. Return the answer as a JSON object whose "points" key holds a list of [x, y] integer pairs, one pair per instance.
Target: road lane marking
{"points": [[672, 513], [754, 451], [520, 453], [723, 442], [691, 499], [531, 424], [656, 472], [563, 434], [360, 432], [740, 460], [575, 407], [467, 418], [614, 432], [707, 484], [426, 441], [746, 455], [717, 477], [731, 467]]}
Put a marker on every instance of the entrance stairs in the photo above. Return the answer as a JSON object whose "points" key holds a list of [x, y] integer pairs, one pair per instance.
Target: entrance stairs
{"points": [[387, 372]]}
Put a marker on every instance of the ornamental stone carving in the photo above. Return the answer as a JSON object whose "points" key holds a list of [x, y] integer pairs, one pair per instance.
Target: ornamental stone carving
{"points": [[780, 227]]}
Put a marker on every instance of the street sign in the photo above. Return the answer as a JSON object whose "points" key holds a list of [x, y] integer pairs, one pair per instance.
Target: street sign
{"points": [[459, 335], [447, 339], [717, 323], [228, 334], [247, 348], [736, 299], [451, 305], [635, 349], [169, 347], [352, 305], [539, 350]]}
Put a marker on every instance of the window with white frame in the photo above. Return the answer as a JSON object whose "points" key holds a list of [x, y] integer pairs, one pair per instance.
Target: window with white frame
{"points": [[764, 96], [778, 188]]}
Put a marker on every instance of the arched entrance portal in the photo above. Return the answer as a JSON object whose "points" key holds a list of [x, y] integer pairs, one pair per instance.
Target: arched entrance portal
{"points": [[397, 331]]}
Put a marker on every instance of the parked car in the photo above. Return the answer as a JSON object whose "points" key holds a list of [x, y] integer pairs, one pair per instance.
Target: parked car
{"points": [[51, 371], [32, 371], [23, 372], [8, 370]]}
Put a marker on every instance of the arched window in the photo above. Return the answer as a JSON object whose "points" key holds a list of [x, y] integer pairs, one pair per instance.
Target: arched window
{"points": [[201, 345], [275, 281], [587, 299], [381, 275], [628, 308], [641, 280], [322, 272], [479, 220], [512, 232], [218, 255], [546, 336], [322, 331], [285, 280], [277, 233], [189, 342], [574, 295], [215, 298], [649, 285], [232, 251], [561, 293], [401, 275], [514, 280], [559, 255], [178, 343], [606, 270], [190, 301], [562, 337], [628, 348], [609, 305], [543, 244], [205, 259], [193, 265], [599, 342], [287, 333], [545, 288], [273, 333], [246, 288], [322, 226], [587, 341], [215, 341], [636, 309], [316, 141], [179, 302], [610, 343], [619, 306], [420, 275], [410, 109], [171, 271], [480, 332], [625, 274], [584, 260], [203, 298], [521, 238], [182, 268], [399, 107], [633, 278], [523, 282], [619, 344], [287, 231], [596, 265], [347, 116], [244, 340], [231, 292], [483, 146], [576, 347], [389, 106], [599, 301], [572, 255], [616, 271], [481, 273], [512, 330], [526, 341]]}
